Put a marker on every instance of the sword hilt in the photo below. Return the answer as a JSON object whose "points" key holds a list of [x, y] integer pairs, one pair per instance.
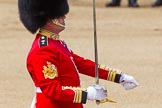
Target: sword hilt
{"points": [[105, 100]]}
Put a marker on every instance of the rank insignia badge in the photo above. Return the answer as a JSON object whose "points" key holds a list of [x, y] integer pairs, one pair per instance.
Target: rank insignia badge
{"points": [[50, 71]]}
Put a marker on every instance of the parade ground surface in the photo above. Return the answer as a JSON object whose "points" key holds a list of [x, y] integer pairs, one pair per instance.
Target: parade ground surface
{"points": [[129, 39]]}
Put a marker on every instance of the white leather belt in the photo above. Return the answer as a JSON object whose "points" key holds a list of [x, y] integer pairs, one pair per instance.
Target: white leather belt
{"points": [[38, 90]]}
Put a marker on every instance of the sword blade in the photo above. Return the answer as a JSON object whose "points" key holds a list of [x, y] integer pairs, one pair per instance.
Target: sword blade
{"points": [[95, 44], [96, 55]]}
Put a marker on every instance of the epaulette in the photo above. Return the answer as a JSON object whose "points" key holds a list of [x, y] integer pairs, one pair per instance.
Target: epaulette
{"points": [[43, 41]]}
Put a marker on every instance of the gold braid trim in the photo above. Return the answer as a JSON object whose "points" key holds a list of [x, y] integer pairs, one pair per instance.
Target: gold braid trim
{"points": [[112, 72], [48, 34], [78, 93]]}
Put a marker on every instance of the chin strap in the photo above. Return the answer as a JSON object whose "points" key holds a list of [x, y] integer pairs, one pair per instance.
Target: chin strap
{"points": [[56, 22]]}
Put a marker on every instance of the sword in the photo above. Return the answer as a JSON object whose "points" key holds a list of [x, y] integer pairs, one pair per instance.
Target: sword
{"points": [[96, 55], [95, 44], [95, 47]]}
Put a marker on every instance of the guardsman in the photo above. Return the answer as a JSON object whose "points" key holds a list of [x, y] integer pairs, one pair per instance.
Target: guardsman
{"points": [[115, 3], [53, 67]]}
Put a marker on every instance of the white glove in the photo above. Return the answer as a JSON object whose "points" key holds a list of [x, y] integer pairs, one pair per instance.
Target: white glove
{"points": [[96, 92], [128, 82]]}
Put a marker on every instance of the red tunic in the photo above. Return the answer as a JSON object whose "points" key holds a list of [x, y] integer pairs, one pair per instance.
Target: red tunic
{"points": [[60, 86]]}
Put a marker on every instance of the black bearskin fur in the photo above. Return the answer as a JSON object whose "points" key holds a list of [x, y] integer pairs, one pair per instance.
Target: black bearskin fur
{"points": [[35, 13]]}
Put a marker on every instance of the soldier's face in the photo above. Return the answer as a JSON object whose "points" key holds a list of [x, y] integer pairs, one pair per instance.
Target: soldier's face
{"points": [[62, 21]]}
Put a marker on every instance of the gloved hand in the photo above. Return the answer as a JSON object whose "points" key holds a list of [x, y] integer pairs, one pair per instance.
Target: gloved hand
{"points": [[96, 92], [128, 81]]}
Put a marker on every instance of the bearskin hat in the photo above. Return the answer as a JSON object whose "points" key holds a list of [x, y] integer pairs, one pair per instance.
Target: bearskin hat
{"points": [[35, 13]]}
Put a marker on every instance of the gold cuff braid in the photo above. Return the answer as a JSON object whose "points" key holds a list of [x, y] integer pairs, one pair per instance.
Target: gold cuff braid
{"points": [[112, 72], [78, 93]]}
